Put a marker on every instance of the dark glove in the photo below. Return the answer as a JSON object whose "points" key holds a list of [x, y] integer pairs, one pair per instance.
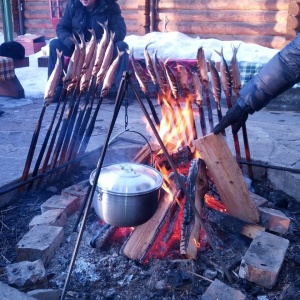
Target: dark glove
{"points": [[235, 116]]}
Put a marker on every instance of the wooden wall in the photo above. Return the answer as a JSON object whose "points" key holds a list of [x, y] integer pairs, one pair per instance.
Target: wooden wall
{"points": [[269, 23]]}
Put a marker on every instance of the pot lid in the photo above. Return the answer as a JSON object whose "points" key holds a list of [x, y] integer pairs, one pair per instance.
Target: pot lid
{"points": [[129, 178]]}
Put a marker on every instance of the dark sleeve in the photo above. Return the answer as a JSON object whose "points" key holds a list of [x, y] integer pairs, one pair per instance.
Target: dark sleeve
{"points": [[274, 78], [116, 23], [64, 27]]}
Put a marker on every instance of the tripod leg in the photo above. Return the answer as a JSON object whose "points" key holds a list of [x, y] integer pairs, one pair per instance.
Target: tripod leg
{"points": [[89, 197]]}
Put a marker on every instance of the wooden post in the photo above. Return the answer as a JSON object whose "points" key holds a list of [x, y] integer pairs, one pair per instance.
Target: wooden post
{"points": [[227, 177]]}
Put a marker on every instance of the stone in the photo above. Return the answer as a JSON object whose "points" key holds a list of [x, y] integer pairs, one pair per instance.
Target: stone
{"points": [[9, 293], [70, 204], [27, 274], [264, 258], [40, 242], [221, 291], [54, 217], [45, 294], [274, 220]]}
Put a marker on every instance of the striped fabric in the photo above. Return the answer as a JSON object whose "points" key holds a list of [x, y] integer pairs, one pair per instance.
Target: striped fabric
{"points": [[7, 70]]}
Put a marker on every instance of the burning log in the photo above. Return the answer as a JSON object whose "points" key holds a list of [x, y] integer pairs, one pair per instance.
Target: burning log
{"points": [[227, 177], [224, 220], [191, 227], [180, 158], [102, 235]]}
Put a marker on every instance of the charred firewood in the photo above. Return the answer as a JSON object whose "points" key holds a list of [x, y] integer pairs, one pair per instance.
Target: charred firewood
{"points": [[180, 157], [102, 235], [197, 187]]}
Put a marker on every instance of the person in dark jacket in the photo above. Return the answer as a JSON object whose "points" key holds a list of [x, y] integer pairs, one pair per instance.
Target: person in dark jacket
{"points": [[79, 17], [279, 74]]}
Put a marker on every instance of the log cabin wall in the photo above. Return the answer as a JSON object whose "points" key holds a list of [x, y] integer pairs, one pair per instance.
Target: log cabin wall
{"points": [[257, 21], [269, 23]]}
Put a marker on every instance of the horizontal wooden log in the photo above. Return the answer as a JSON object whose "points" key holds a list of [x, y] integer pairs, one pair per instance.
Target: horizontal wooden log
{"points": [[201, 28], [294, 9], [224, 5], [128, 5], [247, 16], [36, 14], [227, 177], [37, 24], [227, 222], [36, 6], [276, 42], [293, 22]]}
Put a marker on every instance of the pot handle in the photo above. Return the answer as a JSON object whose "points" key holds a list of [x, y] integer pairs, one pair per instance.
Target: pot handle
{"points": [[127, 130]]}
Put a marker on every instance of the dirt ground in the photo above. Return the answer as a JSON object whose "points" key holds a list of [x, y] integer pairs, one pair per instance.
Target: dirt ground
{"points": [[106, 274]]}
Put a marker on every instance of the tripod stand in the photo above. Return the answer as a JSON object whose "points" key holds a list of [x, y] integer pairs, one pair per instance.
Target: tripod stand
{"points": [[89, 197]]}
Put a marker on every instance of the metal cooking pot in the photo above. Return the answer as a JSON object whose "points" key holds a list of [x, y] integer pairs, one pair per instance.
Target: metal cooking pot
{"points": [[127, 193]]}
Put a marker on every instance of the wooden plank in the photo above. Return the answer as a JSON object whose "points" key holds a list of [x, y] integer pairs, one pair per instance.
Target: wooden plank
{"points": [[143, 235], [227, 177]]}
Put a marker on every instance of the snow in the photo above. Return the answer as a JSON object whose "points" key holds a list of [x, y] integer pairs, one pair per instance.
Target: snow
{"points": [[169, 45]]}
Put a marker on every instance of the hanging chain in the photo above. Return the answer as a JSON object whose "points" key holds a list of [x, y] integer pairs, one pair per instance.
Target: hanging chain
{"points": [[126, 112]]}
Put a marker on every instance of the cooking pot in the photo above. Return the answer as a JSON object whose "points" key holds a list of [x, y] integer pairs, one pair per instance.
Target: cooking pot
{"points": [[127, 193]]}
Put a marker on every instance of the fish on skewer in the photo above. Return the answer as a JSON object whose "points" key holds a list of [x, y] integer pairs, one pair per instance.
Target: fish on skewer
{"points": [[227, 89], [235, 71], [89, 61], [203, 75], [199, 101], [53, 80], [110, 74], [149, 64], [106, 60], [160, 74], [236, 86], [183, 76], [70, 78], [142, 80], [101, 48], [216, 86], [173, 83]]}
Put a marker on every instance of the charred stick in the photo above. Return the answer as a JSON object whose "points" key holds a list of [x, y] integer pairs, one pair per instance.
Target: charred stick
{"points": [[33, 145], [63, 97], [62, 134], [209, 109], [45, 143]]}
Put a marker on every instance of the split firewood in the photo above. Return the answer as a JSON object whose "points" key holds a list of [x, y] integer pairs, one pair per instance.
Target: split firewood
{"points": [[143, 236], [227, 177], [191, 227]]}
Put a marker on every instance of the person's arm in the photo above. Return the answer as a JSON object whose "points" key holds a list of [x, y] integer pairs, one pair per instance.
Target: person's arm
{"points": [[64, 27], [274, 78]]}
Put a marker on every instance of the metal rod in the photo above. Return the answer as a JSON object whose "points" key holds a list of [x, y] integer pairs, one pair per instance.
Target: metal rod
{"points": [[181, 182], [40, 176]]}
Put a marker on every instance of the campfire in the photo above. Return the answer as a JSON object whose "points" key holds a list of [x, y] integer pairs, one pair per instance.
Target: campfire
{"points": [[202, 181]]}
